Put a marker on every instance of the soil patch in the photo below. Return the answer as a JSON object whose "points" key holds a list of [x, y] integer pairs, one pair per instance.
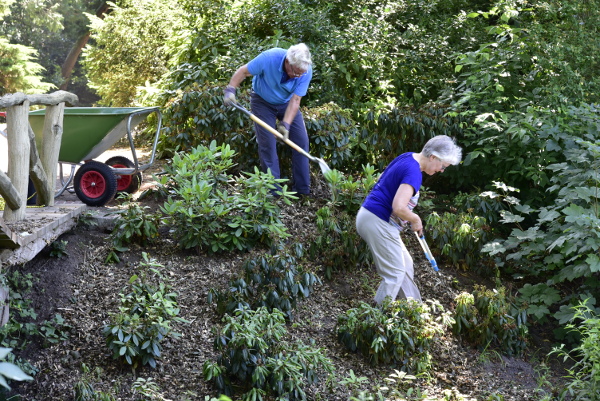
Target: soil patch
{"points": [[84, 290]]}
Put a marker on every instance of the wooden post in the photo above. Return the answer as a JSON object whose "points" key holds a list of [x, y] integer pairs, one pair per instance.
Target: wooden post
{"points": [[17, 121], [52, 137]]}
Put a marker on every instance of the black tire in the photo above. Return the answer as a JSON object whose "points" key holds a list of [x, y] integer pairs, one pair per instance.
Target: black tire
{"points": [[125, 183], [95, 183]]}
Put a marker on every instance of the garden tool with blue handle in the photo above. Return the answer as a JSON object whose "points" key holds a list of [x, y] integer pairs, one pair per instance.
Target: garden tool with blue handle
{"points": [[427, 251]]}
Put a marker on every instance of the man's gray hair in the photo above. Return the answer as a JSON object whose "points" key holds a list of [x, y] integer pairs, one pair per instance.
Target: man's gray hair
{"points": [[444, 148], [299, 56]]}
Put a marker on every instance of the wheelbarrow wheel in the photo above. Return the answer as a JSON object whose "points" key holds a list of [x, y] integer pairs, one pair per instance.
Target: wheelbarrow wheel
{"points": [[125, 183], [95, 183]]}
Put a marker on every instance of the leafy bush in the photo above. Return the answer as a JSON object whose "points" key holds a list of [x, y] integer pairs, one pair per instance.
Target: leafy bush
{"points": [[135, 224], [348, 193], [84, 388], [562, 245], [196, 116], [211, 210], [256, 361], [336, 225], [333, 134], [144, 319], [487, 318], [460, 236], [337, 246], [273, 281], [583, 374], [386, 134], [400, 332]]}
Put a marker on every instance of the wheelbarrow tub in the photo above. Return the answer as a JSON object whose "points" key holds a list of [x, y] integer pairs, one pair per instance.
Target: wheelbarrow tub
{"points": [[89, 131]]}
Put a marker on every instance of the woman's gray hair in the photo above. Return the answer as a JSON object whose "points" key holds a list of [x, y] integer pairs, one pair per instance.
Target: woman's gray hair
{"points": [[444, 148], [299, 56]]}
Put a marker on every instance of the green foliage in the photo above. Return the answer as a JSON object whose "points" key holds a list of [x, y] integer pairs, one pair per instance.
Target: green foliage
{"points": [[388, 133], [214, 211], [84, 387], [400, 332], [336, 226], [347, 192], [55, 330], [128, 48], [21, 327], [143, 322], [562, 245], [488, 318], [10, 371], [58, 249], [398, 385], [273, 281], [460, 237], [583, 374], [18, 71], [333, 134], [135, 224], [336, 232], [257, 361], [195, 115]]}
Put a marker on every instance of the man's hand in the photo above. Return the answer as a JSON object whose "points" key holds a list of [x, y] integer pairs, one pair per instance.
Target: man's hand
{"points": [[284, 129], [229, 95]]}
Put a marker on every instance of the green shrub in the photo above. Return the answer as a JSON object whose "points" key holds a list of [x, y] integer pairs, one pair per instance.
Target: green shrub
{"points": [[487, 318], [257, 362], [337, 246], [144, 320], [84, 388], [214, 211], [399, 332], [58, 249], [460, 237], [273, 281], [196, 116], [333, 134], [558, 253], [584, 375], [135, 224], [348, 193]]}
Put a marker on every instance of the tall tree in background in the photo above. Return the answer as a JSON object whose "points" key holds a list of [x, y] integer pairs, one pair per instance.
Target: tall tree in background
{"points": [[130, 47], [51, 27]]}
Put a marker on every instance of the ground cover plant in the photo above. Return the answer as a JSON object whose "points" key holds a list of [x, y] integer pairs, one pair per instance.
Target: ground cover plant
{"points": [[514, 81]]}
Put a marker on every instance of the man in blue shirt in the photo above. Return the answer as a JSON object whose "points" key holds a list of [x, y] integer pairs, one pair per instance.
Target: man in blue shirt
{"points": [[280, 79]]}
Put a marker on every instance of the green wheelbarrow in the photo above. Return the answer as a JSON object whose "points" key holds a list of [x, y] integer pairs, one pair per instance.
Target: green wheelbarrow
{"points": [[87, 133]]}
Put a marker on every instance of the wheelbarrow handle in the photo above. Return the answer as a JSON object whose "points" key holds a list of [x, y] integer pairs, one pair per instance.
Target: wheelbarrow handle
{"points": [[273, 131], [427, 251]]}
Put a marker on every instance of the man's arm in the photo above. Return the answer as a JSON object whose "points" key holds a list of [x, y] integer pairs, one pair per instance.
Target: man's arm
{"points": [[292, 109]]}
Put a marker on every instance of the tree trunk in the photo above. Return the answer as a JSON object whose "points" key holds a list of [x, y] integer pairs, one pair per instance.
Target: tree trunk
{"points": [[73, 56], [52, 137], [17, 119]]}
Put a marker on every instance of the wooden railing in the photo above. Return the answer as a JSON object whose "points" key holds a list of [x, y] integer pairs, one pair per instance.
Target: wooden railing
{"points": [[24, 161]]}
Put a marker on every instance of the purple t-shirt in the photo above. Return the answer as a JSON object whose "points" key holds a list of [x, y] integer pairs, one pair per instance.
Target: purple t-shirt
{"points": [[271, 82], [404, 169]]}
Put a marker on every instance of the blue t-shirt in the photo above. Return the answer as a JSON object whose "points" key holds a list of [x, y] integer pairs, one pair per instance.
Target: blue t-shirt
{"points": [[404, 169], [270, 80]]}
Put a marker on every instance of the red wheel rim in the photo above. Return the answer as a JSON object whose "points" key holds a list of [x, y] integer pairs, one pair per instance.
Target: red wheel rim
{"points": [[93, 184], [123, 181]]}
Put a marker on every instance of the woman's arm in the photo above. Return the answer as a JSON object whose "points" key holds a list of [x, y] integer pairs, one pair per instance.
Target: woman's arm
{"points": [[400, 208]]}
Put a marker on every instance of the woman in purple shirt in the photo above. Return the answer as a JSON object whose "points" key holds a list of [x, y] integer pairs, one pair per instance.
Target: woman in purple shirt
{"points": [[391, 200], [280, 80]]}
